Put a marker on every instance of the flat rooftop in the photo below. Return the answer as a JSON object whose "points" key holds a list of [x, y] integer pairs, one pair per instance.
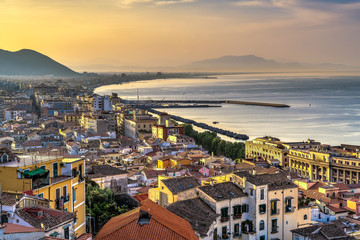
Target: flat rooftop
{"points": [[27, 160]]}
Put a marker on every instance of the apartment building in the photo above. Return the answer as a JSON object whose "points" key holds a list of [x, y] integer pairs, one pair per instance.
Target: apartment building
{"points": [[58, 179], [272, 201]]}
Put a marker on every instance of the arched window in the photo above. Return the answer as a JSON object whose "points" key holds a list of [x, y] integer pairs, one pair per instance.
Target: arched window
{"points": [[305, 217], [262, 225]]}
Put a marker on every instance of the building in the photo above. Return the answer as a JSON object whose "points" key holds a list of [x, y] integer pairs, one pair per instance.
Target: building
{"points": [[139, 125], [149, 221], [107, 176], [171, 190], [272, 202], [102, 103], [325, 231], [201, 217], [230, 204], [164, 128], [270, 148], [14, 113], [324, 164], [58, 179]]}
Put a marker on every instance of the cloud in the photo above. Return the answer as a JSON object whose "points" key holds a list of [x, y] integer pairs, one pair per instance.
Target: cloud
{"points": [[131, 3]]}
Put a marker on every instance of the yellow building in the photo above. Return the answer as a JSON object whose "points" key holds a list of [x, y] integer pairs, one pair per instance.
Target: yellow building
{"points": [[61, 180], [72, 117], [171, 190], [166, 162]]}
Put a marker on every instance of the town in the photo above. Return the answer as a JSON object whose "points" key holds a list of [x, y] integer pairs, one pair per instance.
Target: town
{"points": [[76, 165]]}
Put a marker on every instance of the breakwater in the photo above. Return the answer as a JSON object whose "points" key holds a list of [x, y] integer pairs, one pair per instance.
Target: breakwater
{"points": [[263, 104], [227, 133]]}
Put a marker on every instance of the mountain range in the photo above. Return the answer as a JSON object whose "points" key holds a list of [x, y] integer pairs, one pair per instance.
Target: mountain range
{"points": [[31, 63], [252, 63]]}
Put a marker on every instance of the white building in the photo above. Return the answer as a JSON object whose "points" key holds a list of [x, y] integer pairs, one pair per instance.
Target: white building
{"points": [[102, 103]]}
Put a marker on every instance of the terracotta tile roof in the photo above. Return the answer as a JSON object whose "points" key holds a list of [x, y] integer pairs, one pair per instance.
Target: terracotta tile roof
{"points": [[50, 219], [141, 197], [342, 186], [16, 228], [85, 236], [163, 225]]}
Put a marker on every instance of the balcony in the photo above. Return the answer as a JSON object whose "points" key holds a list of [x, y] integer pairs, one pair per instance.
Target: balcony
{"points": [[274, 229], [237, 216], [275, 211], [224, 218], [289, 209]]}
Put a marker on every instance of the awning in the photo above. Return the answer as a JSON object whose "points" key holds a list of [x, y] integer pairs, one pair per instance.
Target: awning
{"points": [[38, 171], [275, 199]]}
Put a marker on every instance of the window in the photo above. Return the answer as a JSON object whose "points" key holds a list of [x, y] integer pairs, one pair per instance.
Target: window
{"points": [[274, 209], [251, 192], [305, 217], [319, 216], [245, 208], [236, 229], [65, 195], [41, 195], [262, 208], [55, 169], [262, 194], [43, 167], [262, 238], [224, 231], [288, 207], [237, 211], [262, 225], [66, 233], [74, 194], [224, 214], [274, 226]]}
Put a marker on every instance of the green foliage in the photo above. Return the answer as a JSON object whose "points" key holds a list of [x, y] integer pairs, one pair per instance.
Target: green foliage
{"points": [[100, 204], [211, 142]]}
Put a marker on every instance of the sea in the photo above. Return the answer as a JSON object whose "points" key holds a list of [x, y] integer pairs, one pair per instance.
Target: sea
{"points": [[325, 108]]}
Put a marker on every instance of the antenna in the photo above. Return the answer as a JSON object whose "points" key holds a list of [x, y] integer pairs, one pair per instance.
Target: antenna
{"points": [[137, 93]]}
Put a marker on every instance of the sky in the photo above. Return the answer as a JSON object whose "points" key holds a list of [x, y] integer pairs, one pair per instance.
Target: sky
{"points": [[92, 34]]}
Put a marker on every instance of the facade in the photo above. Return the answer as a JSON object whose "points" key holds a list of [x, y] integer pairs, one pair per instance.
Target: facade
{"points": [[270, 148], [325, 165], [272, 202], [171, 190], [107, 176], [58, 179], [139, 125], [13, 113], [102, 103]]}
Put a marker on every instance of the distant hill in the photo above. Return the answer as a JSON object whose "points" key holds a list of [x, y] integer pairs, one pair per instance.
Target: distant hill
{"points": [[31, 63], [252, 63]]}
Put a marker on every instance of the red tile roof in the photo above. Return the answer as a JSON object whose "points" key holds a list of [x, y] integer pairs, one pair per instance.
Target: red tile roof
{"points": [[141, 197], [16, 228], [163, 225]]}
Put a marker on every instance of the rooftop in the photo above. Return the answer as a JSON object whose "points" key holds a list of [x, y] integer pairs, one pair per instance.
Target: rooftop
{"points": [[180, 184], [160, 224], [26, 160], [223, 191], [196, 212]]}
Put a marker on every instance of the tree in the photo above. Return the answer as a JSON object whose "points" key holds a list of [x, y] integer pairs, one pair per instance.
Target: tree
{"points": [[101, 205]]}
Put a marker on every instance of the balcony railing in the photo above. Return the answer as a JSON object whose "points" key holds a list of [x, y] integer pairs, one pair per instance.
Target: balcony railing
{"points": [[237, 216], [275, 211], [274, 229], [224, 218], [289, 209]]}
